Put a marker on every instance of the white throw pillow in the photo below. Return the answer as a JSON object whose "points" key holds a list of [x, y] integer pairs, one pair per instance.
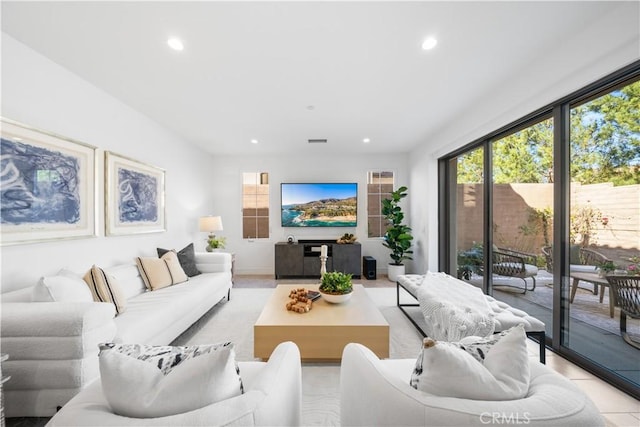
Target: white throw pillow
{"points": [[143, 381], [444, 369], [63, 287]]}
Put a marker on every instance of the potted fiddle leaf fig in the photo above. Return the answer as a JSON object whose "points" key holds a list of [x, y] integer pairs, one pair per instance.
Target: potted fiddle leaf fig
{"points": [[398, 236]]}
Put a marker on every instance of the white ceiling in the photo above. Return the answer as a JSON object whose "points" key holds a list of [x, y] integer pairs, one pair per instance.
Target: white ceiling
{"points": [[251, 70]]}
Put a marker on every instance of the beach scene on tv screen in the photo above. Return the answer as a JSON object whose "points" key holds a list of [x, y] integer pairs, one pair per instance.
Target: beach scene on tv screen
{"points": [[319, 205]]}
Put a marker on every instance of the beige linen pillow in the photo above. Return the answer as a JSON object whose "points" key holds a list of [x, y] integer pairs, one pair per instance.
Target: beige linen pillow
{"points": [[158, 273], [104, 288]]}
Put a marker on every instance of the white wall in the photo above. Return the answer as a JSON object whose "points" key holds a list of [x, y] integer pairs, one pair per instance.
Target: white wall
{"points": [[600, 49], [39, 93], [257, 256]]}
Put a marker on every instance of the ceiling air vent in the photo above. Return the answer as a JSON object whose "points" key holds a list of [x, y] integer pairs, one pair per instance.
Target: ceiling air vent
{"points": [[317, 141]]}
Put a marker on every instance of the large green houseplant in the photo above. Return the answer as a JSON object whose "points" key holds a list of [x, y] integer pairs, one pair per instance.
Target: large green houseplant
{"points": [[398, 236]]}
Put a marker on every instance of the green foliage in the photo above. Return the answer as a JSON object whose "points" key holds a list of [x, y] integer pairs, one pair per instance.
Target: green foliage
{"points": [[216, 242], [335, 282], [605, 146], [525, 156], [470, 261], [605, 138], [607, 266], [470, 167], [398, 236]]}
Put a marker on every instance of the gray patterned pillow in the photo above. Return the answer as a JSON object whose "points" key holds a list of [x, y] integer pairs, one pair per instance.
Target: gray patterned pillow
{"points": [[478, 347], [143, 381], [494, 368]]}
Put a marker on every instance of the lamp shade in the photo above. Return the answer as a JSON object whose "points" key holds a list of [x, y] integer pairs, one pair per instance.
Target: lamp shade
{"points": [[210, 223]]}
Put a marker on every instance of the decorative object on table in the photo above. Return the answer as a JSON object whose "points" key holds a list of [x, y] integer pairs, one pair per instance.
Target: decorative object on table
{"points": [[291, 238], [48, 187], [323, 260], [336, 287], [634, 267], [398, 236], [299, 301], [347, 238], [211, 224], [134, 194], [606, 267]]}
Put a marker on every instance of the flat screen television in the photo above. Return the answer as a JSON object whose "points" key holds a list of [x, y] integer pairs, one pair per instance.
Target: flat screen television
{"points": [[319, 204]]}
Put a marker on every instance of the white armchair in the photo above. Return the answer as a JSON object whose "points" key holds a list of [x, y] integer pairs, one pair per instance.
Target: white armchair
{"points": [[272, 397], [376, 392]]}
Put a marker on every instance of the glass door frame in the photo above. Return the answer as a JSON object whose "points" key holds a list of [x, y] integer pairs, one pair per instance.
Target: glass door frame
{"points": [[559, 111]]}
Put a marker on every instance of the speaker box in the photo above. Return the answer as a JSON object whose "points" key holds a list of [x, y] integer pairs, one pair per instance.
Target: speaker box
{"points": [[369, 267]]}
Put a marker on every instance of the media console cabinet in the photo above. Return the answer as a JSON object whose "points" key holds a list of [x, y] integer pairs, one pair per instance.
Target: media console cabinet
{"points": [[302, 258]]}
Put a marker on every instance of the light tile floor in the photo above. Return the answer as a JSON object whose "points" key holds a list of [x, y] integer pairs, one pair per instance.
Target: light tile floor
{"points": [[618, 408]]}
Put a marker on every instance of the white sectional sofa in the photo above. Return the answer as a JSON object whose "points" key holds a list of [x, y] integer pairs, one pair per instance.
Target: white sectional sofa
{"points": [[53, 346]]}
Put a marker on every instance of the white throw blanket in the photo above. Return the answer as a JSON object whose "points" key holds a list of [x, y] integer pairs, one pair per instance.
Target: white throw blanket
{"points": [[454, 309]]}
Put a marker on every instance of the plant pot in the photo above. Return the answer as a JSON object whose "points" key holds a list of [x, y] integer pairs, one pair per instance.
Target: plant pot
{"points": [[336, 298], [393, 271]]}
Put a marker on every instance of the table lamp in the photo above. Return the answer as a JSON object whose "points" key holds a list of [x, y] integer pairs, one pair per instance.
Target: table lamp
{"points": [[211, 224]]}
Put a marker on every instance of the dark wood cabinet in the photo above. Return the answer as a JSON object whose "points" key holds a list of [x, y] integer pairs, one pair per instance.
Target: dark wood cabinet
{"points": [[347, 258], [302, 259], [288, 260]]}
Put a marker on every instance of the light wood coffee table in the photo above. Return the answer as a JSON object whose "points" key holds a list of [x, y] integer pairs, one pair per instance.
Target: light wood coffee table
{"points": [[322, 333]]}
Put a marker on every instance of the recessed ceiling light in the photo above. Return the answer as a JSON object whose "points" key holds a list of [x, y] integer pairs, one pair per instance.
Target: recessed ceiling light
{"points": [[310, 107], [366, 140], [175, 43], [429, 43], [254, 141]]}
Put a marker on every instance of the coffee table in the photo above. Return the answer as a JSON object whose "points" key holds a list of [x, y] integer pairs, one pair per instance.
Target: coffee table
{"points": [[322, 333], [596, 280]]}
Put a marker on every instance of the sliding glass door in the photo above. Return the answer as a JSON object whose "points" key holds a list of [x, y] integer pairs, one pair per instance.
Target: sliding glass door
{"points": [[522, 201], [604, 231], [467, 175], [561, 213]]}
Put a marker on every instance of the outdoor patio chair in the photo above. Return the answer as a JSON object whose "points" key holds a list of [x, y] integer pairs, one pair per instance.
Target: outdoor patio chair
{"points": [[581, 260], [511, 263], [627, 296]]}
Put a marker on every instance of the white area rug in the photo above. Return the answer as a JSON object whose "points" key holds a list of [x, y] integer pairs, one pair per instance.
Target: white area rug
{"points": [[234, 320]]}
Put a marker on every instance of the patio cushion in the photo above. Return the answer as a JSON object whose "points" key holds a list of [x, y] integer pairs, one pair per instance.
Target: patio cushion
{"points": [[575, 268], [529, 270]]}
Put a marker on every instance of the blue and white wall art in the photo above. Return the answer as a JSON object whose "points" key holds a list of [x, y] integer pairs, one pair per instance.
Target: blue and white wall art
{"points": [[47, 186], [135, 196]]}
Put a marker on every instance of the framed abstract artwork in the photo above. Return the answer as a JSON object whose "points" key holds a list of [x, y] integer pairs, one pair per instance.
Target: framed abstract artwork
{"points": [[134, 194], [47, 186]]}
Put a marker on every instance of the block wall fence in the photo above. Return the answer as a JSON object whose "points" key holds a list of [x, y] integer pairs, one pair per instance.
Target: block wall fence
{"points": [[618, 206]]}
